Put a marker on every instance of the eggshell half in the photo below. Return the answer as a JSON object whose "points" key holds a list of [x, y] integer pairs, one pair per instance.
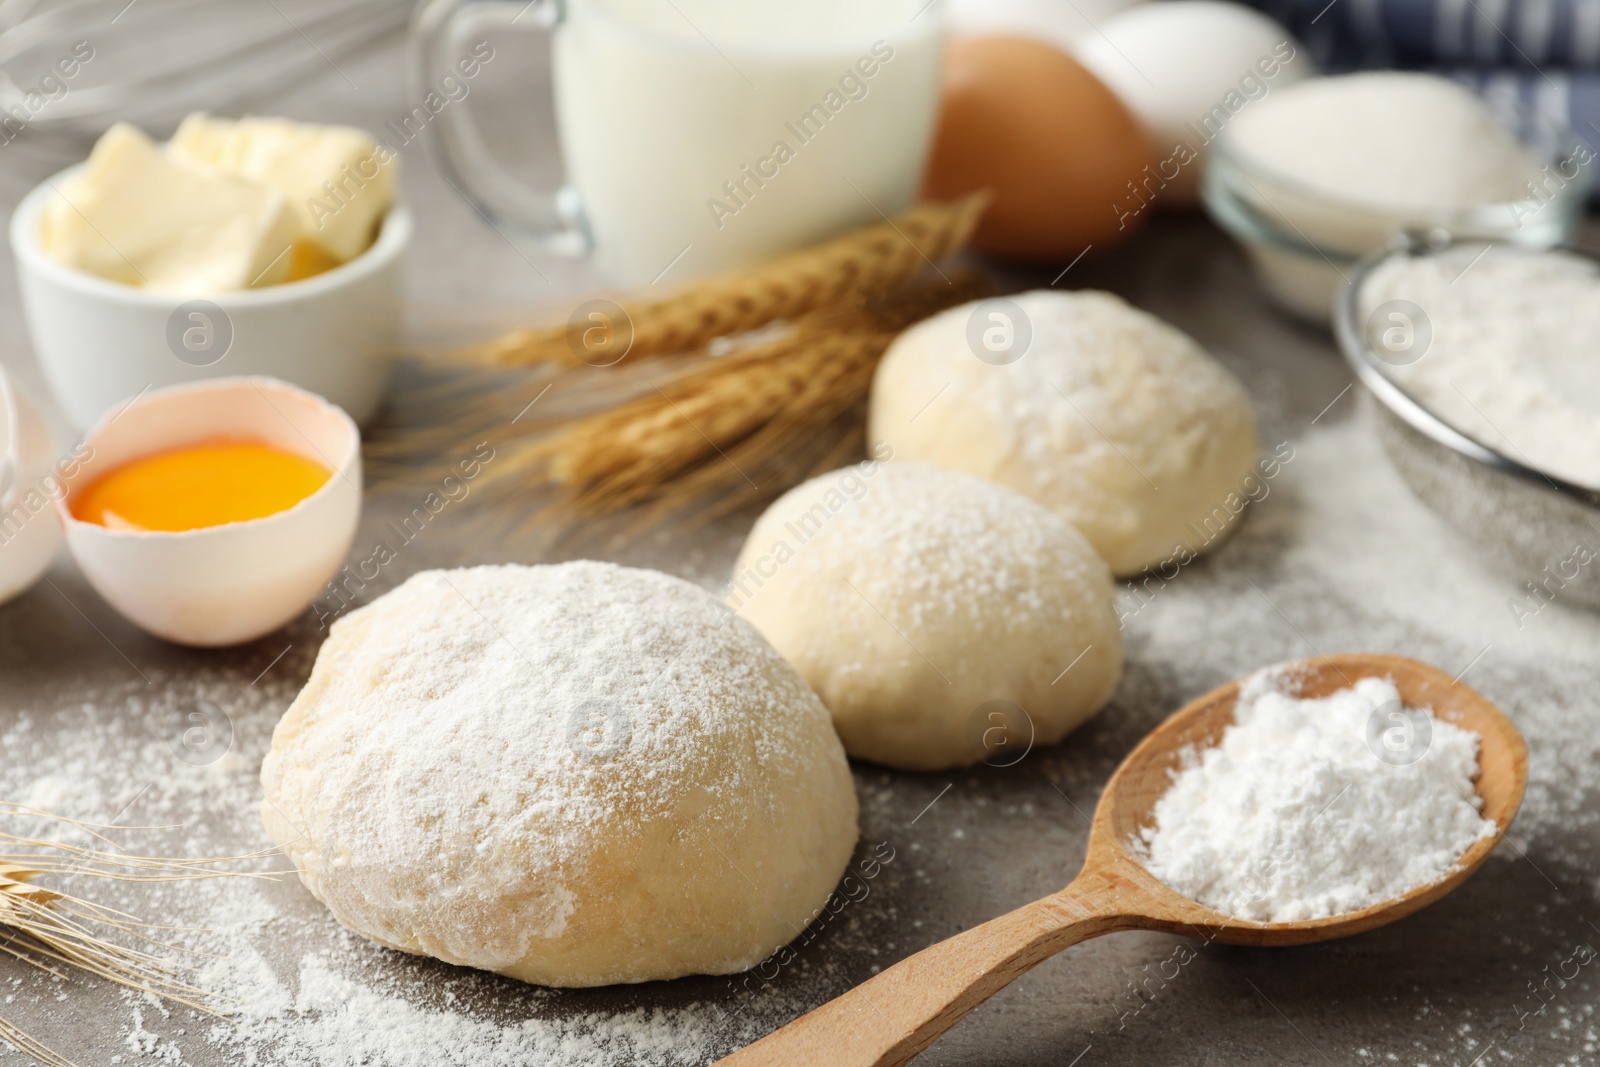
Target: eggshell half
{"points": [[222, 585]]}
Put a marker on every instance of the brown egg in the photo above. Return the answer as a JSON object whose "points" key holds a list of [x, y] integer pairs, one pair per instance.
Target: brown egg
{"points": [[1056, 147]]}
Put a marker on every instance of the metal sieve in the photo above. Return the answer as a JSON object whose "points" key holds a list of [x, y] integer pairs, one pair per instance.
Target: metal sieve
{"points": [[1532, 525]]}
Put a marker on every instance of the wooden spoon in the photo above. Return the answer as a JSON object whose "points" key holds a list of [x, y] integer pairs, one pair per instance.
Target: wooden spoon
{"points": [[895, 1015]]}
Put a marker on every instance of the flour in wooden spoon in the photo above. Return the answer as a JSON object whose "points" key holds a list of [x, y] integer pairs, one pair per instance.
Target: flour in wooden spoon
{"points": [[1315, 807]]}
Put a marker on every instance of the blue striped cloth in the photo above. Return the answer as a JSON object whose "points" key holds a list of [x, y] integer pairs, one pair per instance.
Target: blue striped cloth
{"points": [[1530, 35], [1571, 96], [1542, 54]]}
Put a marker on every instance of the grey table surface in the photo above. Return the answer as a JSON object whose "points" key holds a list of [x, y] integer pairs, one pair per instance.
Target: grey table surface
{"points": [[1338, 556]]}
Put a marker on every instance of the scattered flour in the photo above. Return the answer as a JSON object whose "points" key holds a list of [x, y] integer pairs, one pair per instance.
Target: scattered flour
{"points": [[304, 991], [1341, 554], [333, 1020], [1295, 816]]}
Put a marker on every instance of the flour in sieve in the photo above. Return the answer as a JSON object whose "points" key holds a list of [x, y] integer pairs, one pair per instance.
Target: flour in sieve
{"points": [[1508, 353]]}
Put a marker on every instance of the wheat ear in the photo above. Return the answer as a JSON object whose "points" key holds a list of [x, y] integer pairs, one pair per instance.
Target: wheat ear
{"points": [[727, 423], [51, 929], [875, 258]]}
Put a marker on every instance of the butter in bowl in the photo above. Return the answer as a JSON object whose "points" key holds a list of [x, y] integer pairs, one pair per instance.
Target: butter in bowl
{"points": [[240, 247], [226, 205]]}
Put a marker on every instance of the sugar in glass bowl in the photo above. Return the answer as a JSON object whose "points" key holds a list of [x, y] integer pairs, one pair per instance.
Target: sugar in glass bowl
{"points": [[1305, 240]]}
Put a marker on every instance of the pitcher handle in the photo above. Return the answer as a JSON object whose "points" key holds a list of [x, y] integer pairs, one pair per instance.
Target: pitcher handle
{"points": [[438, 48]]}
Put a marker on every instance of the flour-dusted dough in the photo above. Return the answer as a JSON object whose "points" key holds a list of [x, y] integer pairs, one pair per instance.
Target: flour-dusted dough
{"points": [[1113, 419], [573, 775], [922, 604]]}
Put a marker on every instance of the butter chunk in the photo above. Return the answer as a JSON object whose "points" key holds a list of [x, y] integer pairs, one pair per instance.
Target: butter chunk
{"points": [[339, 182], [135, 216]]}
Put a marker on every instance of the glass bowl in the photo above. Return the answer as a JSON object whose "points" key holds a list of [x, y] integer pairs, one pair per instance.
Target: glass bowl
{"points": [[1305, 244]]}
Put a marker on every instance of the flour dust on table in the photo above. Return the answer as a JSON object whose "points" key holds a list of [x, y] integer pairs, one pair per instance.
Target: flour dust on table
{"points": [[345, 1003]]}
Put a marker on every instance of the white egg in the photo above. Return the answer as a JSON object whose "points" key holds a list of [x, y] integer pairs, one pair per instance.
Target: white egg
{"points": [[1057, 22], [30, 533], [1185, 68], [221, 585]]}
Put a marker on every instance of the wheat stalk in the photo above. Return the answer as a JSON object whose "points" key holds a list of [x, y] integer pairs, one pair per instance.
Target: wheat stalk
{"points": [[728, 424], [54, 931], [716, 433], [28, 1046], [803, 332], [877, 257]]}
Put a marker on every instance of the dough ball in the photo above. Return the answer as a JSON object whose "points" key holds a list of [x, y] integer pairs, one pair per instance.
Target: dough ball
{"points": [[1116, 421], [926, 607], [573, 775]]}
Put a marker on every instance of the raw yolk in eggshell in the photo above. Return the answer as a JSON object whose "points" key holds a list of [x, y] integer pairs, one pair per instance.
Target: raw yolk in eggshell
{"points": [[202, 485]]}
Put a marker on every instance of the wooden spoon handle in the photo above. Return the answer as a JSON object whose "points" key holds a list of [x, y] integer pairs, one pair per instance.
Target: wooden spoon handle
{"points": [[892, 1017]]}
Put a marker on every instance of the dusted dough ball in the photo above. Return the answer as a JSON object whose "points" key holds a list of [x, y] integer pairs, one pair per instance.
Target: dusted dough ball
{"points": [[925, 605], [573, 775], [1116, 421]]}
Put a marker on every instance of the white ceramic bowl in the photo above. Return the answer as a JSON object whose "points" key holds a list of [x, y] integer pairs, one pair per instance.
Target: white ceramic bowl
{"points": [[30, 534], [102, 342], [221, 585]]}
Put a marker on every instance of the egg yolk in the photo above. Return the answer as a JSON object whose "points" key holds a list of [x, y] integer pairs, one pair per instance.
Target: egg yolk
{"points": [[201, 485]]}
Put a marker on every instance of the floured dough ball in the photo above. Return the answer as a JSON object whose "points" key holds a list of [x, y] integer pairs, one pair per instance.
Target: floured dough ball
{"points": [[1113, 419], [573, 775], [943, 619]]}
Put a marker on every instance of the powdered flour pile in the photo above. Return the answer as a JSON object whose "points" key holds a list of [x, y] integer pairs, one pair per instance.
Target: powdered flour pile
{"points": [[1317, 807]]}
